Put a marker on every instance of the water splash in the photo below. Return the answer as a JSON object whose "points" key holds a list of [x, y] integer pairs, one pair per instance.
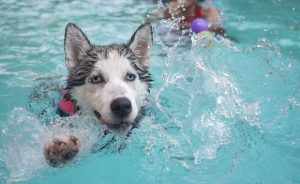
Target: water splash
{"points": [[25, 136], [201, 97]]}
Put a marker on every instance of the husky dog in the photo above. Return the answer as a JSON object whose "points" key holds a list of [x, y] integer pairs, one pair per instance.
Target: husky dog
{"points": [[109, 81]]}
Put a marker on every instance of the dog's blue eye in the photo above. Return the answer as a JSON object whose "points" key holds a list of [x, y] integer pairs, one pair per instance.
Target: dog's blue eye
{"points": [[97, 79], [130, 77]]}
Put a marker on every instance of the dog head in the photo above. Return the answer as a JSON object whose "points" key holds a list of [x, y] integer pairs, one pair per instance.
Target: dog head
{"points": [[111, 81]]}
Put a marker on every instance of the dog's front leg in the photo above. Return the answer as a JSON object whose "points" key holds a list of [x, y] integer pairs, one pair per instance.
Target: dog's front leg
{"points": [[61, 149]]}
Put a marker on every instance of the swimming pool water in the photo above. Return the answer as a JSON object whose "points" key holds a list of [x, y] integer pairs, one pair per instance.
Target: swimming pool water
{"points": [[226, 114]]}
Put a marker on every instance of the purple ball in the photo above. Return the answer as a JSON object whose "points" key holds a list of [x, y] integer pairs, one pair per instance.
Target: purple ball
{"points": [[199, 25]]}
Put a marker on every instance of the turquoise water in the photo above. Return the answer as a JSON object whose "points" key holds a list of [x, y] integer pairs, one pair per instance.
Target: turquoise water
{"points": [[226, 114]]}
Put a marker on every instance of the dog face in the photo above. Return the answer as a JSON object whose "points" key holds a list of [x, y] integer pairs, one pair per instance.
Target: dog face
{"points": [[110, 81]]}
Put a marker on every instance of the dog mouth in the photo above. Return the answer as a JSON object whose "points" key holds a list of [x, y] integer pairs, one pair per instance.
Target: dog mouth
{"points": [[97, 114], [112, 125], [99, 117]]}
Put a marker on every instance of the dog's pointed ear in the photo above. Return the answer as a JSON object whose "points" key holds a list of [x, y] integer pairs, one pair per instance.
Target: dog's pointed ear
{"points": [[76, 44], [141, 42]]}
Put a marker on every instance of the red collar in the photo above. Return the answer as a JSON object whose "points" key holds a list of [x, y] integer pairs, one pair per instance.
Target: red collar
{"points": [[67, 106]]}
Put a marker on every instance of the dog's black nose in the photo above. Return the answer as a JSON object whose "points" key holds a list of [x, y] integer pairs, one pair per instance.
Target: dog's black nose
{"points": [[121, 107]]}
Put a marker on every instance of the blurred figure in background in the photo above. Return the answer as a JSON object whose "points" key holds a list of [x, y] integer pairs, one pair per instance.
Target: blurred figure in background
{"points": [[188, 11]]}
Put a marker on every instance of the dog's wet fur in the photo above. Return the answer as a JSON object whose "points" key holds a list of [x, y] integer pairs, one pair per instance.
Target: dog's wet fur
{"points": [[109, 82]]}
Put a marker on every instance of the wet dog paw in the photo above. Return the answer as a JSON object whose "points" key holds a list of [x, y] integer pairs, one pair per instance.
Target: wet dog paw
{"points": [[61, 149]]}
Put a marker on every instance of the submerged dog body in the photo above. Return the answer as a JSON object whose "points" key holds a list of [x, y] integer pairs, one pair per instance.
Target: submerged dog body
{"points": [[109, 82]]}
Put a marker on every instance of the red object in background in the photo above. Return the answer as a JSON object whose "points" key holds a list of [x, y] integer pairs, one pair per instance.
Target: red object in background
{"points": [[198, 14]]}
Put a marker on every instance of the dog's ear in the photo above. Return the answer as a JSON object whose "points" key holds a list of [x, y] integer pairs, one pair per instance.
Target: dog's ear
{"points": [[76, 44], [141, 42]]}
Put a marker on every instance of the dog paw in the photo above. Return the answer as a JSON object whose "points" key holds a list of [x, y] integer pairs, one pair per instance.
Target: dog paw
{"points": [[61, 149]]}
